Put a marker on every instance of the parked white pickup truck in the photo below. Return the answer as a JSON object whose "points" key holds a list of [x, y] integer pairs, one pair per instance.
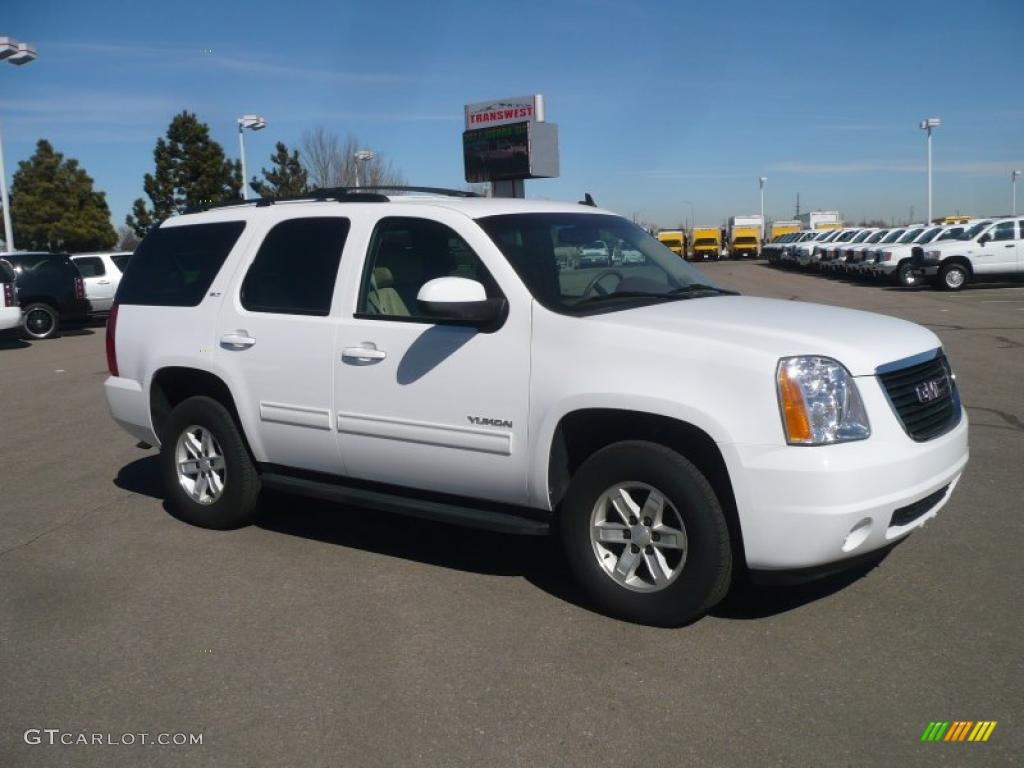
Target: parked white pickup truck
{"points": [[987, 249], [428, 355]]}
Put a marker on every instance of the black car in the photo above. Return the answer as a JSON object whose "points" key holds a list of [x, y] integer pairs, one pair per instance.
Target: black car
{"points": [[50, 291]]}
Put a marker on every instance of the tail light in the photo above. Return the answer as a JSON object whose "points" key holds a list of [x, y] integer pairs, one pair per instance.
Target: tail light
{"points": [[8, 295], [79, 288], [111, 344]]}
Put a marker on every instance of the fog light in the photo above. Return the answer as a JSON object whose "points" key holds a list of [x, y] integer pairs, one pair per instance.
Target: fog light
{"points": [[857, 535]]}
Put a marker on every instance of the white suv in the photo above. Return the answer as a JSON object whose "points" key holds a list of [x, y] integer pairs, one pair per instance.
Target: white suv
{"points": [[10, 310], [427, 354], [101, 273]]}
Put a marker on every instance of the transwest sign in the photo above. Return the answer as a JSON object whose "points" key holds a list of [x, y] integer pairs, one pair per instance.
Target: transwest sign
{"points": [[517, 109]]}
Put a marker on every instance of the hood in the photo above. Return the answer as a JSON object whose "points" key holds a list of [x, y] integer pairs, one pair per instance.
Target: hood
{"points": [[861, 341]]}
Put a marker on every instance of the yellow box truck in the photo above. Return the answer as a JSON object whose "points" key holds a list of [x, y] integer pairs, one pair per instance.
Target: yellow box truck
{"points": [[745, 233], [674, 240], [707, 243], [780, 228]]}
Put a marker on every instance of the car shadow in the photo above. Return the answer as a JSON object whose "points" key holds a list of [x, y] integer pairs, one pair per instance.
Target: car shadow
{"points": [[77, 331], [534, 559], [13, 343]]}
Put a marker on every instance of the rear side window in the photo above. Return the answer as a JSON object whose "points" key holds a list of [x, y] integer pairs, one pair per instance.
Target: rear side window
{"points": [[121, 260], [174, 266], [295, 269], [6, 272], [90, 266]]}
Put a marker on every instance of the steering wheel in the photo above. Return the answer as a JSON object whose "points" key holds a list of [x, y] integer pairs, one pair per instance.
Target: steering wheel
{"points": [[593, 287]]}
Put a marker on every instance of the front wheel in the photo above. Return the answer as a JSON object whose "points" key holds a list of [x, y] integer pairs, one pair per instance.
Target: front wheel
{"points": [[952, 277], [209, 476], [906, 276], [645, 535]]}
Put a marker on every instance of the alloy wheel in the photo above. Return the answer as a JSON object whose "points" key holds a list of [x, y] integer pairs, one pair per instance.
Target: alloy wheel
{"points": [[202, 471], [638, 537]]}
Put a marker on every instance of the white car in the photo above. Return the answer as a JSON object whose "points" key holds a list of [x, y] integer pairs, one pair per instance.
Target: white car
{"points": [[595, 253], [101, 273], [894, 262], [429, 357], [806, 253], [986, 249], [10, 309]]}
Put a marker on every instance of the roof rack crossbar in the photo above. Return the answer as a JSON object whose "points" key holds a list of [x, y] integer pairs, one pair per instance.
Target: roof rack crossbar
{"points": [[332, 191], [370, 194]]}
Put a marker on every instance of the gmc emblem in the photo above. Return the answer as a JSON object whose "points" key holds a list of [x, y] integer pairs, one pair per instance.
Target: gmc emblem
{"points": [[932, 390]]}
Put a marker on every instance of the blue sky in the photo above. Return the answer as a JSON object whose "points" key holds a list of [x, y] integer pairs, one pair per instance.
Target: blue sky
{"points": [[657, 102]]}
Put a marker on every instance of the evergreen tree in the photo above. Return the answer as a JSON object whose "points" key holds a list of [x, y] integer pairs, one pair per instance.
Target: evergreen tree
{"points": [[54, 205], [286, 177], [191, 169]]}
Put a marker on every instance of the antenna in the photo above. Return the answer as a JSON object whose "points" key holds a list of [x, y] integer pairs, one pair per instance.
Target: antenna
{"points": [[797, 206]]}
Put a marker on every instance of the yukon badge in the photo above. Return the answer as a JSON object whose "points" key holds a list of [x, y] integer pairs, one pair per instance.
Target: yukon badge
{"points": [[484, 422]]}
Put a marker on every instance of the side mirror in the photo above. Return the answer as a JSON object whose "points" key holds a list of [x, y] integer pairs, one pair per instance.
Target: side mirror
{"points": [[459, 301], [984, 239]]}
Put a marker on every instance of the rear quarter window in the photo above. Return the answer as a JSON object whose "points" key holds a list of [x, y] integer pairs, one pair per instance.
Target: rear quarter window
{"points": [[121, 260], [174, 266]]}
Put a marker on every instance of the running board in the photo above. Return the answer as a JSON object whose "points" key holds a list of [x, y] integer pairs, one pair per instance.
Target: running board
{"points": [[470, 517]]}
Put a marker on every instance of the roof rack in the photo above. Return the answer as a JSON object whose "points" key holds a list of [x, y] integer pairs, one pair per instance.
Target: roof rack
{"points": [[369, 194]]}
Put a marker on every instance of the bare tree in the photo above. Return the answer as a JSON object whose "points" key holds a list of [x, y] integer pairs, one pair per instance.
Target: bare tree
{"points": [[330, 161], [127, 239]]}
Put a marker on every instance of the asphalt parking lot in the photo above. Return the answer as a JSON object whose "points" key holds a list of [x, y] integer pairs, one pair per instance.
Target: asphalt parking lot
{"points": [[327, 636]]}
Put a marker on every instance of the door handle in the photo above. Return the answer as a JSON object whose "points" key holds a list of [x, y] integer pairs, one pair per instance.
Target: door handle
{"points": [[103, 282], [1009, 245], [237, 340], [366, 352]]}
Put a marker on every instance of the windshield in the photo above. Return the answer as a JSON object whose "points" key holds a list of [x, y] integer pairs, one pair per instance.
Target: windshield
{"points": [[974, 231], [876, 236], [894, 235], [909, 237], [928, 236], [953, 234], [862, 236], [542, 248]]}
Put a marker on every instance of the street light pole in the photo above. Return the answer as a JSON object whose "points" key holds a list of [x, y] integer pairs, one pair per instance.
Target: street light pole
{"points": [[18, 54], [252, 123], [362, 156], [927, 125], [1013, 190], [693, 218], [761, 182]]}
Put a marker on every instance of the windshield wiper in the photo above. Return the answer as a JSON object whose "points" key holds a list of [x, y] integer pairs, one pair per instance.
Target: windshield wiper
{"points": [[624, 295], [698, 287], [683, 292]]}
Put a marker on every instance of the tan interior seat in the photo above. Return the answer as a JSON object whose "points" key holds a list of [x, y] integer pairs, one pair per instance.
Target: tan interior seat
{"points": [[383, 299]]}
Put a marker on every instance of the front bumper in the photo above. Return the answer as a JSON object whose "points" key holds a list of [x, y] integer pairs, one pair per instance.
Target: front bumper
{"points": [[807, 507]]}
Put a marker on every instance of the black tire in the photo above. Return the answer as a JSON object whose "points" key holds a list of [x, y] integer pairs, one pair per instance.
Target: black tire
{"points": [[906, 276], [707, 569], [236, 505], [953, 277], [41, 321]]}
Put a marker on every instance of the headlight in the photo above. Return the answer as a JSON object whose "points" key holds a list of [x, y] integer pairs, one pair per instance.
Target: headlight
{"points": [[819, 402], [887, 256], [933, 254]]}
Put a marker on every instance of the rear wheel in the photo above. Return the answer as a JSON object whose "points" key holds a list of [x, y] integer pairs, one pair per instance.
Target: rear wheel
{"points": [[210, 478], [953, 277], [645, 536], [41, 321]]}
